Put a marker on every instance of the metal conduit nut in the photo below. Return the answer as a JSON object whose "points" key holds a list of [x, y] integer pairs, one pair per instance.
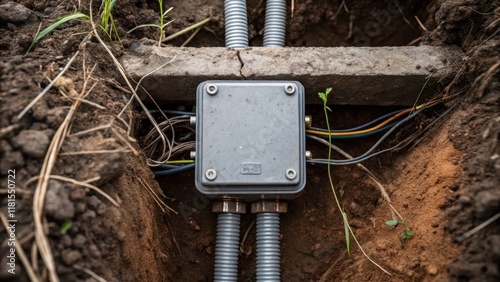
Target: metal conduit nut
{"points": [[229, 207], [269, 207], [235, 14], [275, 25]]}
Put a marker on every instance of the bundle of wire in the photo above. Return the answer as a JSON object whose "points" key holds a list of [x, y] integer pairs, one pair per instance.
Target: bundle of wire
{"points": [[387, 123], [177, 133]]}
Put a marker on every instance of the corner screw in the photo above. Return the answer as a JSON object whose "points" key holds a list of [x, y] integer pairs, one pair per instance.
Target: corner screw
{"points": [[290, 89], [211, 174], [211, 89], [291, 174]]}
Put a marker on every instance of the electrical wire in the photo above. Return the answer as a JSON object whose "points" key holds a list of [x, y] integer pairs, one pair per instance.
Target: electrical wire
{"points": [[173, 170], [368, 154], [380, 125], [361, 126], [389, 124], [385, 128]]}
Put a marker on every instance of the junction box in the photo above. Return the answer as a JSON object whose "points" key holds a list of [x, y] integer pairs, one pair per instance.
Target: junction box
{"points": [[250, 139]]}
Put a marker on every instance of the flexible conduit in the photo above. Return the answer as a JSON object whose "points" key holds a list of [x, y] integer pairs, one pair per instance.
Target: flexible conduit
{"points": [[235, 14], [228, 224], [268, 247], [275, 26], [268, 224], [227, 247]]}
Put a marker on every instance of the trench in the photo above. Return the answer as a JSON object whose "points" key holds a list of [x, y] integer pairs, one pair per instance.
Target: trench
{"points": [[313, 243]]}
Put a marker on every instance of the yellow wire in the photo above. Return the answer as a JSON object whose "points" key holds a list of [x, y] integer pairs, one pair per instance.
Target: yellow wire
{"points": [[384, 123], [180, 162]]}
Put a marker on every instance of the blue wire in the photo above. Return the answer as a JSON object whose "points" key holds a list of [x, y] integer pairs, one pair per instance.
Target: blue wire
{"points": [[179, 113], [368, 153], [173, 170], [165, 167], [361, 126]]}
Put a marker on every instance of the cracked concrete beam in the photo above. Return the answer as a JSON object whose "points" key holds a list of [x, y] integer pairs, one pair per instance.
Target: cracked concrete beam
{"points": [[384, 76]]}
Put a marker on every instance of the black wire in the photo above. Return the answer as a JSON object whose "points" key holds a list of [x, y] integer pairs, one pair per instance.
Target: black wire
{"points": [[361, 126], [367, 154]]}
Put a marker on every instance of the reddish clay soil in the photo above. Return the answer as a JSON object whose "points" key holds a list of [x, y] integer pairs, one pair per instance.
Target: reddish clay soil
{"points": [[444, 184]]}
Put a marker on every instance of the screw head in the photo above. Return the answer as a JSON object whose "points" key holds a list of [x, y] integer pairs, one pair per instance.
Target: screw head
{"points": [[211, 89], [291, 174], [211, 174], [309, 155], [290, 89]]}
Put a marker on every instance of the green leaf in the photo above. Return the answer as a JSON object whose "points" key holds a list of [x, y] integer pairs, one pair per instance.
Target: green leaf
{"points": [[328, 90], [347, 233], [167, 11], [55, 25], [408, 233], [322, 96], [392, 222], [65, 226], [328, 108]]}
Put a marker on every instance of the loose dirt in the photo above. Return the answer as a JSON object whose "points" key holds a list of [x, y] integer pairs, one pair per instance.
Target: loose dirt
{"points": [[445, 185]]}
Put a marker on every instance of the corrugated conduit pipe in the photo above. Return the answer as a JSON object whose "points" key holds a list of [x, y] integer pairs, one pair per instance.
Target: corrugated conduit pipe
{"points": [[228, 224], [268, 224]]}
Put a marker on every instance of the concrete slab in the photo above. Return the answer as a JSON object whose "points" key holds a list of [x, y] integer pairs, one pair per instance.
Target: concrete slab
{"points": [[384, 76]]}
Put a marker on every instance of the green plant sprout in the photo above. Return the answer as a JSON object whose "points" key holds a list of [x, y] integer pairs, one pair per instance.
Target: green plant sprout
{"points": [[65, 226], [107, 23], [160, 26], [406, 234], [55, 25], [347, 228]]}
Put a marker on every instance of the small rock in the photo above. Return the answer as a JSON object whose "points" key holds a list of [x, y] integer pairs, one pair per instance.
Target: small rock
{"points": [[101, 209], [89, 215], [487, 203], [32, 142], [431, 269], [71, 256], [57, 202], [464, 200], [208, 250], [94, 202], [79, 241], [11, 160], [66, 240], [14, 12], [56, 116], [94, 251], [317, 246], [78, 194]]}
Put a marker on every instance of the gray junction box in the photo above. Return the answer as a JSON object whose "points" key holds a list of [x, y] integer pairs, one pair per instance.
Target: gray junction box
{"points": [[250, 139]]}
